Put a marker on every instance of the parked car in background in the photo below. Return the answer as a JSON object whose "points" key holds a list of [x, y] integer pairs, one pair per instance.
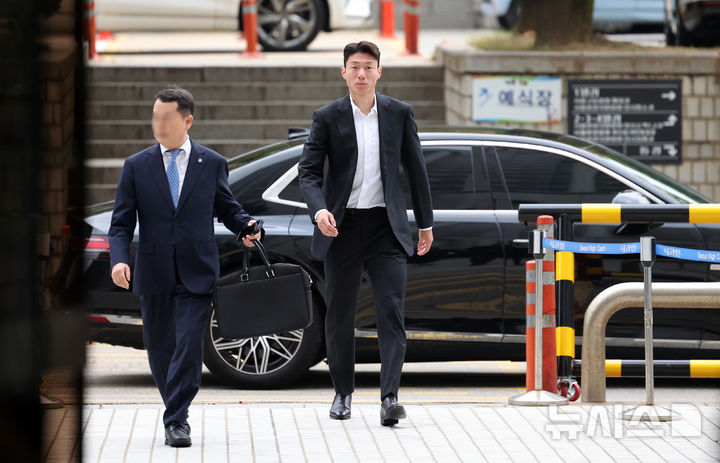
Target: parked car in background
{"points": [[466, 297], [608, 15], [692, 22], [283, 25]]}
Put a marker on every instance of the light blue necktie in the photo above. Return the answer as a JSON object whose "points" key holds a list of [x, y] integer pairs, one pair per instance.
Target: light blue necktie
{"points": [[173, 176]]}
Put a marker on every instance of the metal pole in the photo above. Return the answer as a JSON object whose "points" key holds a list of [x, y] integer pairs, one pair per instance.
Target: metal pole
{"points": [[647, 258], [649, 413], [538, 254]]}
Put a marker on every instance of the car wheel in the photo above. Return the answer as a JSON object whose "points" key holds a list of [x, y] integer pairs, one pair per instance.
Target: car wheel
{"points": [[289, 25], [263, 362], [510, 19], [677, 31], [670, 36]]}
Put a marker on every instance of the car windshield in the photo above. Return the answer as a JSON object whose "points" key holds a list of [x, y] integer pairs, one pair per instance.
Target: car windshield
{"points": [[677, 190]]}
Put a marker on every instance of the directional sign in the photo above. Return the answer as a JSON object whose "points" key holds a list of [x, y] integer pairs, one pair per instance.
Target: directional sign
{"points": [[640, 118]]}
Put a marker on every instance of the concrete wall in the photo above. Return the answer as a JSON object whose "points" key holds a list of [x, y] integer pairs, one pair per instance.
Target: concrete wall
{"points": [[59, 63], [698, 70]]}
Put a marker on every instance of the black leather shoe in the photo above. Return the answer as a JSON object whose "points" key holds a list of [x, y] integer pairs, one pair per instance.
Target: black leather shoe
{"points": [[186, 427], [391, 411], [177, 436], [340, 409]]}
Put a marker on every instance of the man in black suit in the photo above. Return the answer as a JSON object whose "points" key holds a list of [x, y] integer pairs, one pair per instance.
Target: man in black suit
{"points": [[349, 174], [173, 189]]}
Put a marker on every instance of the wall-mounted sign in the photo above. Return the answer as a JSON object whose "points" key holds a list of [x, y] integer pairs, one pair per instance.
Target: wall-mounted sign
{"points": [[640, 118], [517, 99]]}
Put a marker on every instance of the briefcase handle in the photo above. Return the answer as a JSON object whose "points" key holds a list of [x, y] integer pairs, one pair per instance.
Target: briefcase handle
{"points": [[263, 255]]}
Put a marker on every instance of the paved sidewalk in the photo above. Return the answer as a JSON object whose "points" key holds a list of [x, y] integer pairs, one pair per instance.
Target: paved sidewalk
{"points": [[457, 432]]}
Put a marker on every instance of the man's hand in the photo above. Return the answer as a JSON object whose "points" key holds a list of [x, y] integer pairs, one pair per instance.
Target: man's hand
{"points": [[425, 240], [326, 223], [121, 275], [247, 240]]}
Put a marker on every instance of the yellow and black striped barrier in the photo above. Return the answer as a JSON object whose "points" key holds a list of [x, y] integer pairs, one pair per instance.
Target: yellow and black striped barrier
{"points": [[615, 368], [564, 292], [623, 213]]}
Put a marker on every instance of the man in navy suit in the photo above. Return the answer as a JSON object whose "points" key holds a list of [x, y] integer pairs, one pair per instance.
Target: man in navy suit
{"points": [[173, 189], [349, 174]]}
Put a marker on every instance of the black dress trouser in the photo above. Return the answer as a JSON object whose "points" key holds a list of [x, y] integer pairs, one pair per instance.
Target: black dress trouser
{"points": [[365, 242]]}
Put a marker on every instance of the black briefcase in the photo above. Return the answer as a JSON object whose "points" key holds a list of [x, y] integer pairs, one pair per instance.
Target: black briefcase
{"points": [[263, 300]]}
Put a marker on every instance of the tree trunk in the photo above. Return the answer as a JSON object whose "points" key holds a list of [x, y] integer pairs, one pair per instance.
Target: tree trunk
{"points": [[557, 22]]}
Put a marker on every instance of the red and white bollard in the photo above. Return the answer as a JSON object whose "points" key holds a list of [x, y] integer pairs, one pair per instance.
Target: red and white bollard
{"points": [[540, 335], [89, 14], [387, 19], [549, 357], [412, 26], [250, 24]]}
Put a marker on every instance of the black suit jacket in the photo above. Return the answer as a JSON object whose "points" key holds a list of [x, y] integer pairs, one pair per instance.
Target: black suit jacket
{"points": [[170, 239], [329, 159]]}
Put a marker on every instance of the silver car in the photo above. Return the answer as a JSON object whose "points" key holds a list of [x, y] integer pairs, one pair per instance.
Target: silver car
{"points": [[283, 25], [608, 15]]}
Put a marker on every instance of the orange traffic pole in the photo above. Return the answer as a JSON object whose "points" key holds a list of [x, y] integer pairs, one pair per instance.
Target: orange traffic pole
{"points": [[250, 24], [387, 19], [90, 28], [412, 26], [549, 357]]}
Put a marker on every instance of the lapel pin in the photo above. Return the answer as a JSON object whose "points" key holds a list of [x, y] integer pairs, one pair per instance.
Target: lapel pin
{"points": [[199, 159]]}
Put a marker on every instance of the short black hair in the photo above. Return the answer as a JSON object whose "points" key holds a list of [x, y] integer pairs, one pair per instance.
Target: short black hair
{"points": [[361, 47], [183, 98]]}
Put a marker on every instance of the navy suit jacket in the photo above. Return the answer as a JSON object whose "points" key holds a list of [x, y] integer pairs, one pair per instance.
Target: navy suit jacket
{"points": [[329, 159], [170, 239]]}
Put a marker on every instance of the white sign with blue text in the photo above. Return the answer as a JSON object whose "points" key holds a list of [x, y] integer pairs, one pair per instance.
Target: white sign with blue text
{"points": [[526, 99]]}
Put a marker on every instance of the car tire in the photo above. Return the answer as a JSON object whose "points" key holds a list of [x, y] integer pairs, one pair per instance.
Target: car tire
{"points": [[510, 18], [283, 29], [670, 36], [676, 31], [271, 362]]}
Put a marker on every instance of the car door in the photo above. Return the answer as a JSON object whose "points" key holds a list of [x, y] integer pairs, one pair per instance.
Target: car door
{"points": [[134, 15], [526, 175], [457, 286]]}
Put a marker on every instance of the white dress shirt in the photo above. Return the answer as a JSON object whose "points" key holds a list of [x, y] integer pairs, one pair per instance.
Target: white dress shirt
{"points": [[367, 188], [181, 160]]}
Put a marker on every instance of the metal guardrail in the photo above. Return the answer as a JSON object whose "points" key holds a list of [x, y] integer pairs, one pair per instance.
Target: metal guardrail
{"points": [[695, 295]]}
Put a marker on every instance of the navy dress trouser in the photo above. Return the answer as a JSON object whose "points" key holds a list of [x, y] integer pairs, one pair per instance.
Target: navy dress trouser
{"points": [[173, 332]]}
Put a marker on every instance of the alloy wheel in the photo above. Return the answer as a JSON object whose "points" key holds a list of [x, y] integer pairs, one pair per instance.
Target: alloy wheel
{"points": [[287, 24], [256, 356]]}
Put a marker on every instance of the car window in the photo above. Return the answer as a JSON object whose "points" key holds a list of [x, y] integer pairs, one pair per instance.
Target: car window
{"points": [[249, 187], [535, 177], [292, 191], [451, 175], [681, 193]]}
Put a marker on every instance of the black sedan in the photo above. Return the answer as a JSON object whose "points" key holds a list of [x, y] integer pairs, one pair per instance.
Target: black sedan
{"points": [[466, 297]]}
